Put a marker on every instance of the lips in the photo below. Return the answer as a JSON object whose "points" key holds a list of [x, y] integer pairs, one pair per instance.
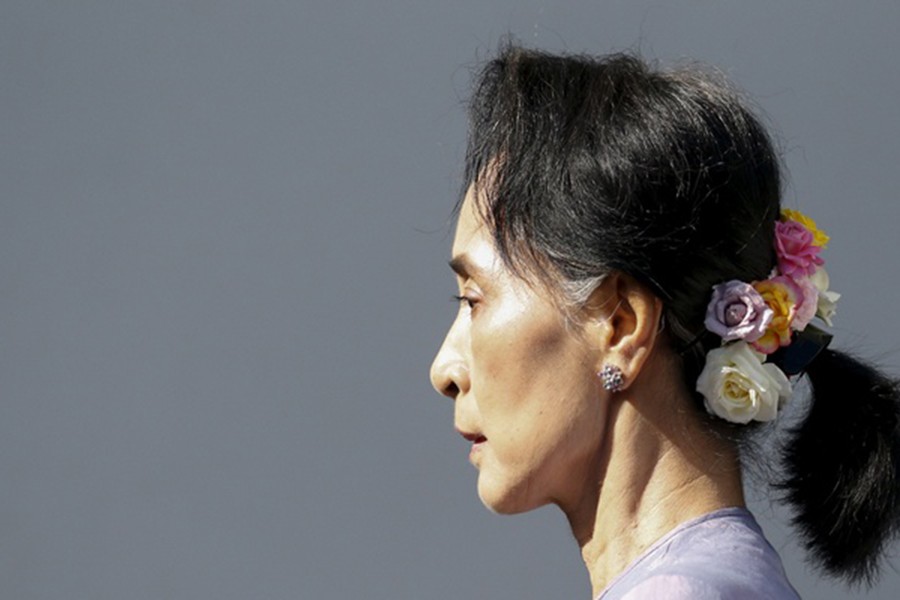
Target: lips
{"points": [[475, 438], [478, 441]]}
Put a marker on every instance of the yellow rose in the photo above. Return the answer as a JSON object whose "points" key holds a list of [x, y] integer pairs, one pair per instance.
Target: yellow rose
{"points": [[820, 239], [782, 296]]}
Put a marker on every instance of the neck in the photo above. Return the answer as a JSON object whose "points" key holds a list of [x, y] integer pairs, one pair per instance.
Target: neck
{"points": [[656, 472]]}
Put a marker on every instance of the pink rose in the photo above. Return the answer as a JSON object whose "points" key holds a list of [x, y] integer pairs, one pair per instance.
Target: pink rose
{"points": [[737, 312], [798, 256], [807, 304]]}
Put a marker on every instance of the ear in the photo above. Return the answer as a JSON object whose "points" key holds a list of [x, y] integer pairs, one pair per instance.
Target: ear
{"points": [[624, 322]]}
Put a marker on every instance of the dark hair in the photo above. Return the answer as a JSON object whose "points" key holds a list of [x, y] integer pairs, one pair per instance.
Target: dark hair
{"points": [[608, 164]]}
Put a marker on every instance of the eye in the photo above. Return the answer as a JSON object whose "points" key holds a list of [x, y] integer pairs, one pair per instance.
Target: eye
{"points": [[471, 302]]}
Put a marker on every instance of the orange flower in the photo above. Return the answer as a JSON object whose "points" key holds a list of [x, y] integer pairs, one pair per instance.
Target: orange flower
{"points": [[782, 295]]}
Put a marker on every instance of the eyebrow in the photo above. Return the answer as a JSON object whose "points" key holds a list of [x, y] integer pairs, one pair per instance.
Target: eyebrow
{"points": [[462, 266]]}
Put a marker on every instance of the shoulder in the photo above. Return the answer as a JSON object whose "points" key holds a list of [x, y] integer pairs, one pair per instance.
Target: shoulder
{"points": [[690, 587], [679, 587]]}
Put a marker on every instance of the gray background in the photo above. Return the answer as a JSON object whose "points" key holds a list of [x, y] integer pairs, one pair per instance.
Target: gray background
{"points": [[223, 236]]}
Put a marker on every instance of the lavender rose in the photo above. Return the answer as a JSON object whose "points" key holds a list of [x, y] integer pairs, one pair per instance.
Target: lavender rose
{"points": [[737, 312]]}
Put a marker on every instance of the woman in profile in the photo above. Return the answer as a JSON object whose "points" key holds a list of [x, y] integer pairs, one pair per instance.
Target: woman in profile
{"points": [[635, 303]]}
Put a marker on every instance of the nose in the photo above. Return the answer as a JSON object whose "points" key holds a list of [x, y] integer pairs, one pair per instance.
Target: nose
{"points": [[449, 372]]}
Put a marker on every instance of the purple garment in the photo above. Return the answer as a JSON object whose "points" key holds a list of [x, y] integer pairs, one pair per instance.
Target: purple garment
{"points": [[721, 555]]}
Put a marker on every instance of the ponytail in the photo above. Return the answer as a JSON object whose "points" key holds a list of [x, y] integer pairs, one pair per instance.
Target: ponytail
{"points": [[842, 466]]}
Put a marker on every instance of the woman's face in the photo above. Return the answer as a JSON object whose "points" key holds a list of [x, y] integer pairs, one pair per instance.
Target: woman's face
{"points": [[523, 380]]}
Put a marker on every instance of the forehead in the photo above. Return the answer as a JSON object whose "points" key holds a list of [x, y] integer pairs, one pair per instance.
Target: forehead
{"points": [[473, 242], [468, 221]]}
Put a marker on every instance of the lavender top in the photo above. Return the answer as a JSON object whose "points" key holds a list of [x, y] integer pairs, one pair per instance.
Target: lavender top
{"points": [[720, 555]]}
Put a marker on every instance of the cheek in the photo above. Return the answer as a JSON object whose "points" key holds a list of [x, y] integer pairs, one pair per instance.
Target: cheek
{"points": [[509, 343], [532, 379]]}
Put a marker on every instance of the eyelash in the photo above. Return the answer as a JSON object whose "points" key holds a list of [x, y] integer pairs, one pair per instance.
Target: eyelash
{"points": [[465, 299]]}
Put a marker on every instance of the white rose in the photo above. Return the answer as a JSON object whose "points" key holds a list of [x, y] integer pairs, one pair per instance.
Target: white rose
{"points": [[827, 305], [738, 387]]}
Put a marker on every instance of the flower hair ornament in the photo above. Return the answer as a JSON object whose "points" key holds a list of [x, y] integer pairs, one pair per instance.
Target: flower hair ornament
{"points": [[765, 327]]}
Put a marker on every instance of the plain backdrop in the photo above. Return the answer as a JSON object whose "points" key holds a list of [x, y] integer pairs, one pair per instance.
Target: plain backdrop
{"points": [[224, 229]]}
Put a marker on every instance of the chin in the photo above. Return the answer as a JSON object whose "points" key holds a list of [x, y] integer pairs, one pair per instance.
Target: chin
{"points": [[503, 499]]}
